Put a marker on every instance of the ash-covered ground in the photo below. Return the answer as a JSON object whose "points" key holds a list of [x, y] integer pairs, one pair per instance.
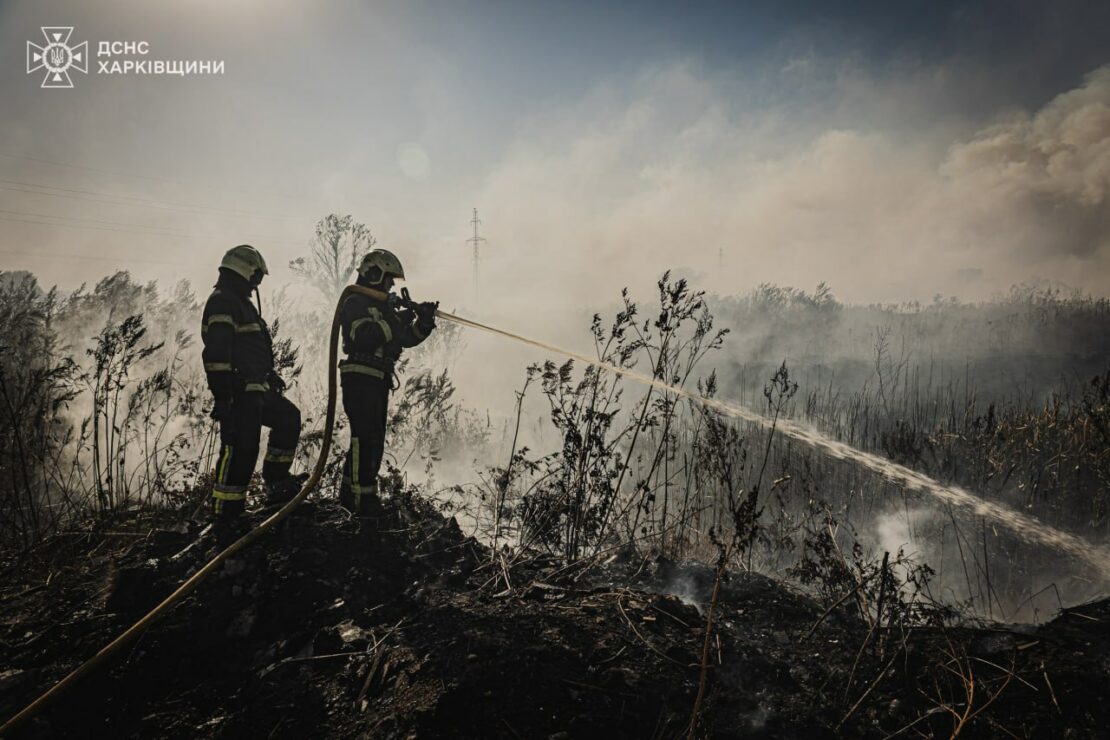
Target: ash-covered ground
{"points": [[332, 627]]}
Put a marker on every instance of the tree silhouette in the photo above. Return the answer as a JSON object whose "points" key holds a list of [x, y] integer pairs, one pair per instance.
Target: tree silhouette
{"points": [[334, 253]]}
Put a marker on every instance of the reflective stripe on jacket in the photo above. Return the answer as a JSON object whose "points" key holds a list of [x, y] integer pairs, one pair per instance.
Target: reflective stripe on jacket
{"points": [[374, 335], [238, 350]]}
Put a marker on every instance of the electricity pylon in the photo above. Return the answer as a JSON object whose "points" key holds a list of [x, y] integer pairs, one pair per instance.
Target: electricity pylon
{"points": [[475, 241]]}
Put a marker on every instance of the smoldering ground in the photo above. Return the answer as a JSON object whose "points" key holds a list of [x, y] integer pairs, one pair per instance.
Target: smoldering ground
{"points": [[790, 167]]}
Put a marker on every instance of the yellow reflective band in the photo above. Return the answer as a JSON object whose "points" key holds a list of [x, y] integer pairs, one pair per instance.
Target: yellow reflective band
{"points": [[221, 469], [218, 505], [247, 328], [228, 495], [219, 318], [370, 488], [376, 315], [257, 387], [353, 367], [274, 454], [356, 324], [354, 469], [217, 367]]}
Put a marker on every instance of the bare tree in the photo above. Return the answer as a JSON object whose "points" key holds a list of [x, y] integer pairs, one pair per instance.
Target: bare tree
{"points": [[334, 252]]}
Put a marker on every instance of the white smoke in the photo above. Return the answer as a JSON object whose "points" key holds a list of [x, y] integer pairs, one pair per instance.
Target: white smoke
{"points": [[625, 184], [1049, 170]]}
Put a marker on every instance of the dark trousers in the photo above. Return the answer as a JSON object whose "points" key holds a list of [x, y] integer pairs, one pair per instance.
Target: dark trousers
{"points": [[240, 438], [366, 402]]}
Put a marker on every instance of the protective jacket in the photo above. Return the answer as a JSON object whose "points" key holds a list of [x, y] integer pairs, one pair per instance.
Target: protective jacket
{"points": [[375, 333], [239, 362], [238, 350]]}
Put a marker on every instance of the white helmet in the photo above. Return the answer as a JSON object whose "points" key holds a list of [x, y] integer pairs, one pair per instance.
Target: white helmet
{"points": [[246, 261], [385, 261]]}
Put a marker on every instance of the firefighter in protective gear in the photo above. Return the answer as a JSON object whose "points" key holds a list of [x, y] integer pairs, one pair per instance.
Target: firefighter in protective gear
{"points": [[239, 362], [374, 334]]}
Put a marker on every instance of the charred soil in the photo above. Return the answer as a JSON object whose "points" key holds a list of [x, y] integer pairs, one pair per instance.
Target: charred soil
{"points": [[403, 627]]}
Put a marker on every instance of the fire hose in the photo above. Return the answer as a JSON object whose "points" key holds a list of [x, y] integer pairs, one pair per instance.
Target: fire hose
{"points": [[246, 540], [1024, 525], [190, 584]]}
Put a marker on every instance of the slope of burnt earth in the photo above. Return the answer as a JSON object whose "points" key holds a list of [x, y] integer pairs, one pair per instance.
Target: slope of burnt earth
{"points": [[332, 627]]}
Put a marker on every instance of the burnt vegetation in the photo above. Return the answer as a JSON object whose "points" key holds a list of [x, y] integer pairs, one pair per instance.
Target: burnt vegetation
{"points": [[656, 567]]}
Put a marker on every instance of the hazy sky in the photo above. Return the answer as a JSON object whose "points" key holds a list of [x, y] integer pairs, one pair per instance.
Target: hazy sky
{"points": [[894, 150]]}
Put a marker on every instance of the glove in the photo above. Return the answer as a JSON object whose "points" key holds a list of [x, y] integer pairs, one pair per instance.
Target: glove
{"points": [[275, 381], [426, 311], [221, 410]]}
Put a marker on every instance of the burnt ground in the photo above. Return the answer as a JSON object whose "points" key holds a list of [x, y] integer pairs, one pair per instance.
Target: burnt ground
{"points": [[330, 628]]}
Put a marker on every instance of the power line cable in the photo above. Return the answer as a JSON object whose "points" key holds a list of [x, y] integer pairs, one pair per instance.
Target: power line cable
{"points": [[55, 255], [138, 231], [119, 173], [130, 200], [80, 219], [140, 228], [96, 228]]}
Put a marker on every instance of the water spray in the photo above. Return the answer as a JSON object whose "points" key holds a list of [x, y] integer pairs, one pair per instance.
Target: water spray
{"points": [[1025, 526]]}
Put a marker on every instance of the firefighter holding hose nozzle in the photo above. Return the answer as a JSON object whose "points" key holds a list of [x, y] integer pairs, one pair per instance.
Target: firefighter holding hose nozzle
{"points": [[376, 328], [239, 363]]}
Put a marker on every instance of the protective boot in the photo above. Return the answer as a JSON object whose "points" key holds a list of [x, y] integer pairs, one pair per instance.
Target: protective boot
{"points": [[230, 521], [283, 490], [364, 504], [370, 506], [346, 498], [371, 515]]}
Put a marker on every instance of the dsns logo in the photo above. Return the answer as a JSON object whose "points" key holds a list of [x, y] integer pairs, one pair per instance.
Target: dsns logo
{"points": [[57, 57]]}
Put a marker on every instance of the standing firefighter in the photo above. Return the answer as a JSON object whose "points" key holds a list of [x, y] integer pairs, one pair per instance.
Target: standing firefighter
{"points": [[239, 362], [375, 331]]}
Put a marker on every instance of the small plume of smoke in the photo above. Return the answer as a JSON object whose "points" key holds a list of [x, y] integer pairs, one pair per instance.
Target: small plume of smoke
{"points": [[687, 590], [896, 531]]}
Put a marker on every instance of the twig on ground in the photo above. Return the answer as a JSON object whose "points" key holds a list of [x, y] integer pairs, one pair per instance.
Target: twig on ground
{"points": [[643, 639], [505, 573], [829, 611], [870, 688], [1051, 691], [703, 671]]}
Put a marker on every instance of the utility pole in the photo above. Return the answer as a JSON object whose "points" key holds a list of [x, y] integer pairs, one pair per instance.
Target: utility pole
{"points": [[475, 241]]}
